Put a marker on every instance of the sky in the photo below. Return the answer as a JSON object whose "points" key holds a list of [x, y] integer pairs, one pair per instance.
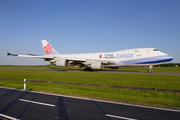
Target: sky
{"points": [[87, 26]]}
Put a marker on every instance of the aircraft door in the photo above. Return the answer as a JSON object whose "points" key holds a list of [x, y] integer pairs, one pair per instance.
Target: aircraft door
{"points": [[148, 52]]}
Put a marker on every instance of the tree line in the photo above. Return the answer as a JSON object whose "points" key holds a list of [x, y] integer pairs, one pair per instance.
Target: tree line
{"points": [[168, 65]]}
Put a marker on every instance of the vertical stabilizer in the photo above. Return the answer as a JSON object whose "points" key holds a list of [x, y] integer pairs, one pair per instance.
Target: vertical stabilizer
{"points": [[48, 49]]}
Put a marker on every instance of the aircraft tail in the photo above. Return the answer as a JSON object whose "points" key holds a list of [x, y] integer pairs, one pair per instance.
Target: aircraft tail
{"points": [[48, 49]]}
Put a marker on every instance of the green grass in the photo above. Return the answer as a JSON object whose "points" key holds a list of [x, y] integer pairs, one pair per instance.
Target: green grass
{"points": [[145, 69], [140, 97], [134, 69], [136, 80]]}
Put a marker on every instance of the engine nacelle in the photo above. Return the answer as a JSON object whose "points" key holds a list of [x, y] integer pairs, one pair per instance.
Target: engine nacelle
{"points": [[97, 65], [62, 63]]}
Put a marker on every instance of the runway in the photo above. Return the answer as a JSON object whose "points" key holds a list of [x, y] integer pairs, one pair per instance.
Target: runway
{"points": [[29, 105], [103, 71]]}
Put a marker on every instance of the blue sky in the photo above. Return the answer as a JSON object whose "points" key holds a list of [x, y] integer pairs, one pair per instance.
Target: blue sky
{"points": [[86, 26]]}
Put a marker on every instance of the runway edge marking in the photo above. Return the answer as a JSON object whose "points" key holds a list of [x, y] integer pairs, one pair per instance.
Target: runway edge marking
{"points": [[114, 116], [40, 103], [8, 117], [172, 110]]}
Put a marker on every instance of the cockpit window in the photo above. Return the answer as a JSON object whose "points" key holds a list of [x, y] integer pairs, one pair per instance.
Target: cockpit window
{"points": [[155, 49]]}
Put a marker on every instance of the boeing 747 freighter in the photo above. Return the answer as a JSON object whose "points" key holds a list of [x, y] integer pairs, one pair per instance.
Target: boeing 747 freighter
{"points": [[98, 61]]}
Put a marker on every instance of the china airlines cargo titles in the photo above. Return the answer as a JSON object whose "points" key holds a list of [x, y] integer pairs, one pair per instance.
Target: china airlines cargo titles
{"points": [[112, 56], [125, 55]]}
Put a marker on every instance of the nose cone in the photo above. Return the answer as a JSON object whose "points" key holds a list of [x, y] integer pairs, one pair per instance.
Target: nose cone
{"points": [[168, 58]]}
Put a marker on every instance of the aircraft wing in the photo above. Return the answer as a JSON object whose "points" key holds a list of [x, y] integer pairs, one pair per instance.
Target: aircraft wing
{"points": [[47, 58], [29, 55], [90, 60], [74, 61]]}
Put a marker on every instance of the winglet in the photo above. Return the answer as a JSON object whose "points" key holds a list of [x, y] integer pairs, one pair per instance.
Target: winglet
{"points": [[6, 52], [48, 49], [9, 54]]}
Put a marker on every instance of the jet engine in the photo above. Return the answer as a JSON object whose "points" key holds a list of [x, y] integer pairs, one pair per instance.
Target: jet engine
{"points": [[62, 63], [97, 66]]}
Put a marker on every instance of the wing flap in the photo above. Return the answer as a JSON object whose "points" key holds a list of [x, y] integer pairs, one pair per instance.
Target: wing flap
{"points": [[77, 59]]}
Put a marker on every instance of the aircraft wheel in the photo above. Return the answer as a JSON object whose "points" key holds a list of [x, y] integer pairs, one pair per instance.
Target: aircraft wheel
{"points": [[87, 69], [149, 70]]}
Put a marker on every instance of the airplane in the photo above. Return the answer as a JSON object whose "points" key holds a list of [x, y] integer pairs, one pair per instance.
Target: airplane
{"points": [[98, 61]]}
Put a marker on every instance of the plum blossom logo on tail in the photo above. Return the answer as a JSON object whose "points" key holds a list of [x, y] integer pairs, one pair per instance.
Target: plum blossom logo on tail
{"points": [[47, 49]]}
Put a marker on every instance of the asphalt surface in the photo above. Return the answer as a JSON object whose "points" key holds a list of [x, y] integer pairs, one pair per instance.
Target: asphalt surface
{"points": [[103, 71], [28, 105]]}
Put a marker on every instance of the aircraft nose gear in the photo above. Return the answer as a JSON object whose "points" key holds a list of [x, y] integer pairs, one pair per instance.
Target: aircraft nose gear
{"points": [[150, 69]]}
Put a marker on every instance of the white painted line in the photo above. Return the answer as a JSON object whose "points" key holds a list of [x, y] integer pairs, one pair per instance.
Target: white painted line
{"points": [[8, 117], [125, 118], [96, 100], [40, 103]]}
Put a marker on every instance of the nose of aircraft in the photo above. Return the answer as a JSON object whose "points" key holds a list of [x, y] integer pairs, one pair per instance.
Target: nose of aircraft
{"points": [[168, 58]]}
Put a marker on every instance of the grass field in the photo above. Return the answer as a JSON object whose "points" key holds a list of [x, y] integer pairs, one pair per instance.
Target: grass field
{"points": [[140, 97], [135, 69]]}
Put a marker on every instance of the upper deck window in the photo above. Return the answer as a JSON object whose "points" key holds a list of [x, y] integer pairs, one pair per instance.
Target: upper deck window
{"points": [[155, 49]]}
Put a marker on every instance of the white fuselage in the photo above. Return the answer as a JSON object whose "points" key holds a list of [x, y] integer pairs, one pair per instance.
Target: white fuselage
{"points": [[131, 57]]}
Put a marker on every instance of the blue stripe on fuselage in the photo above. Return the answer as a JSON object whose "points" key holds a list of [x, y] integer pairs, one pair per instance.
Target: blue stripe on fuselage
{"points": [[149, 60]]}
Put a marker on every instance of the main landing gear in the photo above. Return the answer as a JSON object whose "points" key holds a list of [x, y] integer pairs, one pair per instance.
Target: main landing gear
{"points": [[87, 69], [90, 69], [150, 69]]}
